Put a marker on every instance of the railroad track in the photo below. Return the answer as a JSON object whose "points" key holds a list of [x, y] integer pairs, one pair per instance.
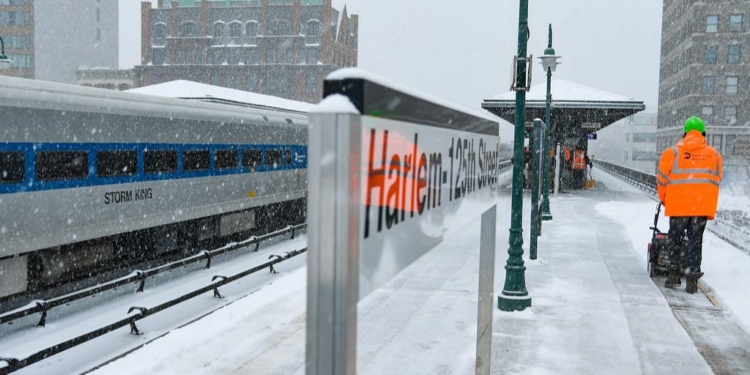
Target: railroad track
{"points": [[76, 319]]}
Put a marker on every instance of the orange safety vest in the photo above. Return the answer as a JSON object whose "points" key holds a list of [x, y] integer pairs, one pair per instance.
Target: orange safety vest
{"points": [[567, 153], [579, 160], [688, 177]]}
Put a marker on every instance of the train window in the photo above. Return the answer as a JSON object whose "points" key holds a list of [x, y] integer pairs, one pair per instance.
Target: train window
{"points": [[288, 157], [160, 161], [251, 158], [62, 165], [116, 163], [273, 157], [12, 167], [196, 160], [226, 159]]}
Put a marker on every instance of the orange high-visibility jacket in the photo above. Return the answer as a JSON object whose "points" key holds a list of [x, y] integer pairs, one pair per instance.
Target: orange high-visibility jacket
{"points": [[688, 177], [579, 159]]}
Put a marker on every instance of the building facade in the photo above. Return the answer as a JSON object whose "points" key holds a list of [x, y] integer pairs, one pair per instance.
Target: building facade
{"points": [[17, 32], [705, 71], [283, 48], [49, 39], [630, 142]]}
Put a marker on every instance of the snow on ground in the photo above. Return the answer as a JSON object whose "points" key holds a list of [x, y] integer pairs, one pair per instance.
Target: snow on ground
{"points": [[725, 267]]}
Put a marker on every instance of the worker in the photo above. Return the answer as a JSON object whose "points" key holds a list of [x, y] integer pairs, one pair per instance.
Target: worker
{"points": [[688, 186], [580, 163]]}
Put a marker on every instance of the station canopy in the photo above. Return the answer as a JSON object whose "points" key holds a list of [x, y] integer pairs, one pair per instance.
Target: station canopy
{"points": [[576, 110]]}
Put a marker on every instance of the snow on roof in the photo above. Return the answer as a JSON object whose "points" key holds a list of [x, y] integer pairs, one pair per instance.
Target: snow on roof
{"points": [[194, 90], [566, 91]]}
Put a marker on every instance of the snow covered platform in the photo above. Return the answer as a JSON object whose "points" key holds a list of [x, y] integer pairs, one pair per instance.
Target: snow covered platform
{"points": [[594, 308]]}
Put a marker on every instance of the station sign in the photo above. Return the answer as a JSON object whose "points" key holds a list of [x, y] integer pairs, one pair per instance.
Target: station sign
{"points": [[591, 125]]}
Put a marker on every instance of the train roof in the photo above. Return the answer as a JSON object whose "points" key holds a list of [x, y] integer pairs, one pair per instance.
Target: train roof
{"points": [[182, 89], [52, 95]]}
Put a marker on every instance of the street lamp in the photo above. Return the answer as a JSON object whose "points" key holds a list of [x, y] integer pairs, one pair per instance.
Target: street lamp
{"points": [[549, 63], [4, 62], [514, 295]]}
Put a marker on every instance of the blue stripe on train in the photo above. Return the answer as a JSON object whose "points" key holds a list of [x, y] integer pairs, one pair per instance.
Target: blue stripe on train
{"points": [[31, 183]]}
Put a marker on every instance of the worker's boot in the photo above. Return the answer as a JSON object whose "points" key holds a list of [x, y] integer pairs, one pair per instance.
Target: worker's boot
{"points": [[673, 278], [691, 282]]}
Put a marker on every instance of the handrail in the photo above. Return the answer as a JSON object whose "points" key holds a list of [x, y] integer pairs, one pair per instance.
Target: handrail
{"points": [[42, 306], [14, 364], [643, 180]]}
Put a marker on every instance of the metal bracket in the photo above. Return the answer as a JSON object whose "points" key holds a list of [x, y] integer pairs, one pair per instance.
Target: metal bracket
{"points": [[270, 268], [207, 254], [514, 73], [43, 319], [216, 289], [142, 276], [292, 232], [133, 329], [257, 245], [12, 362]]}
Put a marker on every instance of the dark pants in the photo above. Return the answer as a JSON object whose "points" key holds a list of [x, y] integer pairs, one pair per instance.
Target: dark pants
{"points": [[579, 178], [691, 227]]}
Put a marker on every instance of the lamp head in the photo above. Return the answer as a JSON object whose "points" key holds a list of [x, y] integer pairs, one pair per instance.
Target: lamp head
{"points": [[549, 61], [4, 62]]}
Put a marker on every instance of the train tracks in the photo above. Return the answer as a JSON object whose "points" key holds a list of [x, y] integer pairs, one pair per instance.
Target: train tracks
{"points": [[81, 322]]}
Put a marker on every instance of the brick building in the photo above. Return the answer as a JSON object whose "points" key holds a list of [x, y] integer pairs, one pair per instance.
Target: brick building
{"points": [[705, 71], [17, 31], [283, 48]]}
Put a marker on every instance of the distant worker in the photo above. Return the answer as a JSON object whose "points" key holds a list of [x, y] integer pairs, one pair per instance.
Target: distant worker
{"points": [[580, 163], [688, 185], [526, 168]]}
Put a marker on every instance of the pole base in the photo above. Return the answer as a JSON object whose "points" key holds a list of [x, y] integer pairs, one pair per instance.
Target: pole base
{"points": [[546, 216], [511, 303]]}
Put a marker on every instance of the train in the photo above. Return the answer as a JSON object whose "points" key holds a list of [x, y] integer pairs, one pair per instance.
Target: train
{"points": [[93, 180]]}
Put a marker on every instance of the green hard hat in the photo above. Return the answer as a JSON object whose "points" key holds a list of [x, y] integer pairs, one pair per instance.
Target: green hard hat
{"points": [[694, 123]]}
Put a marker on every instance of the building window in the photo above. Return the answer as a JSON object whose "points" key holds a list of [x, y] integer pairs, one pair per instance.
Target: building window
{"points": [[98, 34], [178, 57], [217, 58], [249, 56], [312, 83], [281, 27], [160, 34], [270, 55], [234, 56], [708, 85], [187, 29], [730, 115], [644, 137], [732, 82], [14, 18], [311, 56], [707, 113], [235, 30], [733, 53], [250, 78], [16, 41], [20, 61], [712, 23], [98, 15], [716, 142], [729, 150], [218, 30], [215, 79], [313, 28], [709, 57], [735, 23], [251, 29]]}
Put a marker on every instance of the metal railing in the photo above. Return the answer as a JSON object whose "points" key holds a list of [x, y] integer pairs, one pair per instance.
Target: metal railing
{"points": [[43, 306], [643, 180], [136, 313]]}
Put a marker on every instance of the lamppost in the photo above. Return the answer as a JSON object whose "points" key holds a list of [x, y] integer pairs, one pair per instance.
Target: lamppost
{"points": [[514, 295], [4, 62], [549, 63]]}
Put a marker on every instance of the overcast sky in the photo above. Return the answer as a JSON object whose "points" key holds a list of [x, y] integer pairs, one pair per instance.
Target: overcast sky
{"points": [[461, 51]]}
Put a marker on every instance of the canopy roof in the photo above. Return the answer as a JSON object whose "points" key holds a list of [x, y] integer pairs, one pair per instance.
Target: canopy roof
{"points": [[573, 105]]}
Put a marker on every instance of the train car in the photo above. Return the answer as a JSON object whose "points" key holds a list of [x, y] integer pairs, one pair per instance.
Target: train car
{"points": [[93, 179]]}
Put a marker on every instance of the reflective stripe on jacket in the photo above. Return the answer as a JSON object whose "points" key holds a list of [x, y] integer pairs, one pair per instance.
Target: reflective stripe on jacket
{"points": [[688, 177]]}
